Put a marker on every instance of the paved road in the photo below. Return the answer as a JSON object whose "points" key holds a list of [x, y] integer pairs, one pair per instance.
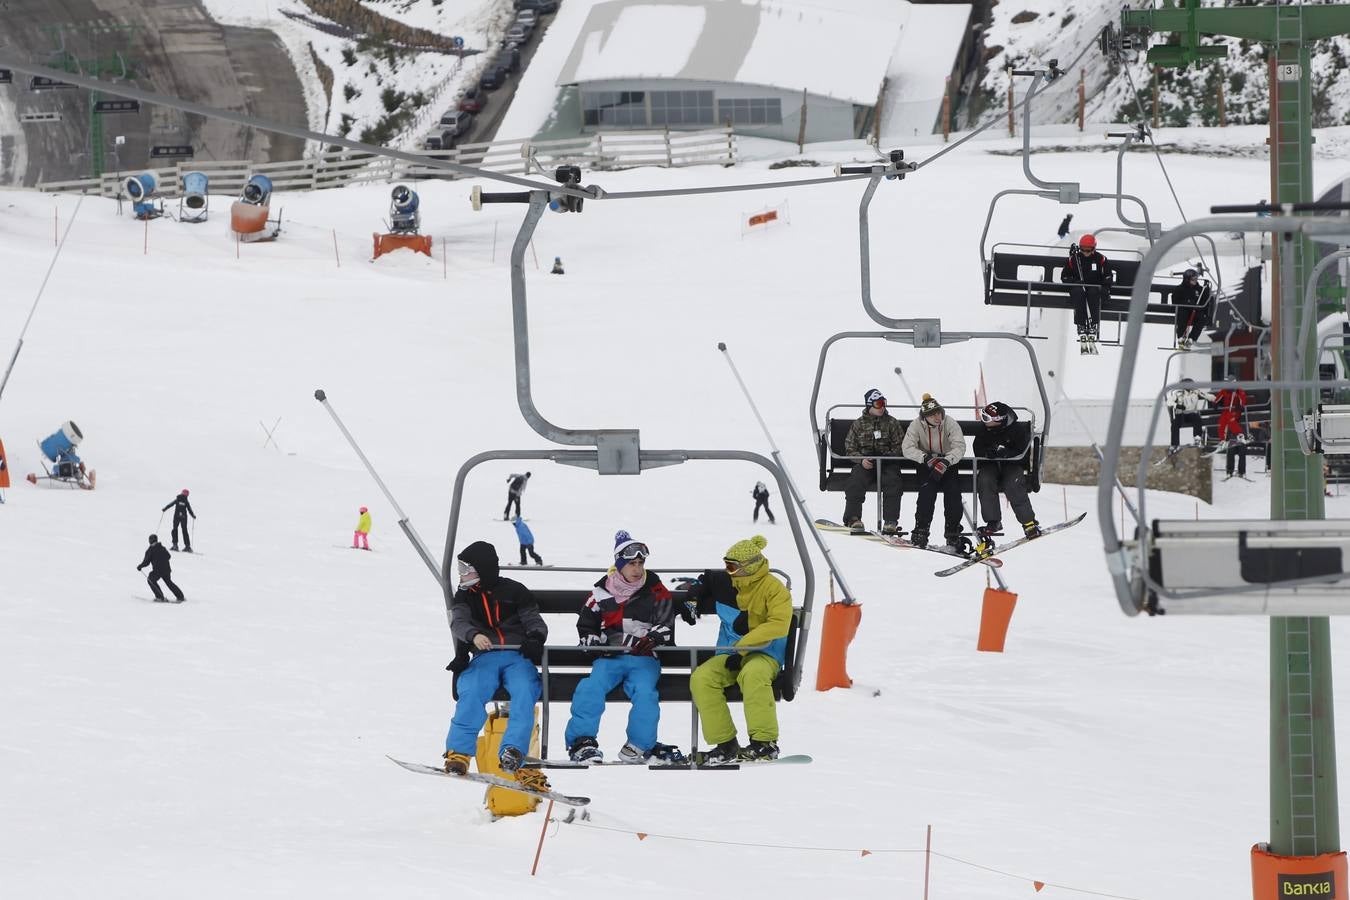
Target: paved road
{"points": [[179, 50], [485, 124]]}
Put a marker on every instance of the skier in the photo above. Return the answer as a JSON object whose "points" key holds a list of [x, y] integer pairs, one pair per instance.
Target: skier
{"points": [[362, 533], [875, 434], [756, 611], [934, 441], [181, 510], [157, 558], [557, 266], [515, 486], [1236, 453], [1000, 449], [761, 495], [488, 613], [1185, 405], [1092, 274], [628, 609], [1232, 405], [1191, 299], [526, 538]]}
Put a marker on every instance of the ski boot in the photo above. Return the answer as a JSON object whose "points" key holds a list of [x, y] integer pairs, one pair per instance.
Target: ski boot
{"points": [[959, 543], [511, 759], [1031, 529], [891, 528], [759, 750], [456, 763], [723, 754], [586, 750], [919, 537], [667, 754], [533, 779], [984, 538]]}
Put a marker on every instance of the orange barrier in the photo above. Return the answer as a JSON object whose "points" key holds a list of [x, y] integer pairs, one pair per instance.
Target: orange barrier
{"points": [[841, 624], [1322, 876], [763, 218], [995, 615], [387, 243], [4, 467]]}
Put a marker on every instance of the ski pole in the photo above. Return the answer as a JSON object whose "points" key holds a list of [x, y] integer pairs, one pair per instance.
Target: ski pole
{"points": [[403, 523], [161, 522]]}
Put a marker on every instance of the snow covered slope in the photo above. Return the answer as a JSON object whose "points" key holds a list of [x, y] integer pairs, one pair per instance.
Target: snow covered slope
{"points": [[234, 745]]}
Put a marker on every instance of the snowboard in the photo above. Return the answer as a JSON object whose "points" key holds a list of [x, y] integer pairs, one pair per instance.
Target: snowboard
{"points": [[157, 599], [495, 781], [1011, 544], [897, 541], [792, 759]]}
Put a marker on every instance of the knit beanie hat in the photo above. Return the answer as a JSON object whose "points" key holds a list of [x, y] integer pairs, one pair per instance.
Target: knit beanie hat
{"points": [[873, 396], [749, 554], [622, 541], [929, 406]]}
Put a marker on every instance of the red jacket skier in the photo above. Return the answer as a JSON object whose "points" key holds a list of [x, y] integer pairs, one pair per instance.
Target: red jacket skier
{"points": [[1231, 403]]}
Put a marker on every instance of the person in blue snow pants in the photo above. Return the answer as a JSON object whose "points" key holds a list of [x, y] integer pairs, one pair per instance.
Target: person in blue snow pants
{"points": [[488, 614], [526, 538]]}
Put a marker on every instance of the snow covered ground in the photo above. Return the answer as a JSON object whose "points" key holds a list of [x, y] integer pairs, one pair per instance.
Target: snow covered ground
{"points": [[234, 745]]}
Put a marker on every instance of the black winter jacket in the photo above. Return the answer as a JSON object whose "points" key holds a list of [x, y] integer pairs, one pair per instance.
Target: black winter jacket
{"points": [[648, 613], [1090, 269], [181, 507], [1008, 441], [500, 608], [1191, 295], [157, 558]]}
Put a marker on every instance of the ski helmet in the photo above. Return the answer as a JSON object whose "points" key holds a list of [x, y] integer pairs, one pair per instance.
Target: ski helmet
{"points": [[184, 492], [992, 416], [1190, 273], [1088, 243], [154, 539]]}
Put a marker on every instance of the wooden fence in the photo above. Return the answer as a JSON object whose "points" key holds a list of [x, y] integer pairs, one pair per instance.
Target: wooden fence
{"points": [[603, 152]]}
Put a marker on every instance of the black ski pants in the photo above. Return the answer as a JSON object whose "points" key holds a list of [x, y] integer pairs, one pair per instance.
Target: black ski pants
{"points": [[1087, 306], [861, 480], [763, 502], [949, 485], [1191, 319], [1005, 477], [529, 548], [1237, 452], [181, 522], [155, 578], [1182, 419], [511, 497]]}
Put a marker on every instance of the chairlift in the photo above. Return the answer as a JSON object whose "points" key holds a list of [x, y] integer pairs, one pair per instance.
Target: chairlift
{"points": [[608, 452], [1265, 567]]}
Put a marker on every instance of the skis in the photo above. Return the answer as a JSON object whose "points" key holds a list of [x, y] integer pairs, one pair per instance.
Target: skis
{"points": [[1011, 544], [495, 781], [896, 541], [157, 599]]}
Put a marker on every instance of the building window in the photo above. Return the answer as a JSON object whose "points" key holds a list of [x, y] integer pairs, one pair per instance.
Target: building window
{"points": [[751, 112], [682, 107], [613, 108]]}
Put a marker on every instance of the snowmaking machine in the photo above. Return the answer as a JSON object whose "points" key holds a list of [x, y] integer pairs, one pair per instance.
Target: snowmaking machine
{"points": [[248, 214], [405, 221]]}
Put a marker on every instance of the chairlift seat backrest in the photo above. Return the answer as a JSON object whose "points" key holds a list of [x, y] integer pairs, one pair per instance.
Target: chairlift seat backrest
{"points": [[1006, 284]]}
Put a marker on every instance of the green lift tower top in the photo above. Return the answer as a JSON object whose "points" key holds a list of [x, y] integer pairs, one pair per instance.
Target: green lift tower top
{"points": [[1303, 805]]}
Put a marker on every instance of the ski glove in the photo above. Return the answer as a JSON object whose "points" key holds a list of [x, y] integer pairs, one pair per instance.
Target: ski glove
{"points": [[643, 646], [734, 662], [458, 664], [689, 611], [937, 464], [532, 648], [742, 624], [591, 640]]}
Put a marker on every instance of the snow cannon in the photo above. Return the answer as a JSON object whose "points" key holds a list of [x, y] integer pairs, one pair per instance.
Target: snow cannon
{"points": [[248, 215], [195, 201], [404, 222], [62, 443], [140, 188]]}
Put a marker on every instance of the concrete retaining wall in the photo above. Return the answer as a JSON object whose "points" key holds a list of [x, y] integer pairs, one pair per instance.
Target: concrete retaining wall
{"points": [[1189, 472]]}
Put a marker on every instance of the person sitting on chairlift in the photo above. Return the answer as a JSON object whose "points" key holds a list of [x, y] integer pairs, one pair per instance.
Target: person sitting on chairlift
{"points": [[1092, 275], [1185, 405], [876, 433], [1000, 450], [1191, 299]]}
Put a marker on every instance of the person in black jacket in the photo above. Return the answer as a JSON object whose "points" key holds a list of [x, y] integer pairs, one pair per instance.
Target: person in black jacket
{"points": [[1092, 275], [181, 510], [157, 558], [761, 495], [1000, 453], [488, 614], [1191, 299], [515, 486]]}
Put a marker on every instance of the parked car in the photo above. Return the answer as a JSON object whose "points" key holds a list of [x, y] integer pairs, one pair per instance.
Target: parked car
{"points": [[543, 7], [508, 57], [457, 122], [472, 100], [433, 142], [528, 17], [492, 77], [518, 33]]}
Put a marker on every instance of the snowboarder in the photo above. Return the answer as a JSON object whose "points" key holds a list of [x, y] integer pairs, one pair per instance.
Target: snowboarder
{"points": [[999, 451], [526, 538], [934, 441], [181, 510], [875, 435], [157, 558], [1185, 405], [362, 533], [1091, 274], [515, 486], [1232, 405], [1191, 299], [628, 609], [557, 266], [755, 610], [761, 495], [487, 614]]}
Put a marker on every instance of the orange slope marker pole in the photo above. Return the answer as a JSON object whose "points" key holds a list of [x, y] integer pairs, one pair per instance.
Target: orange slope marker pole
{"points": [[548, 817]]}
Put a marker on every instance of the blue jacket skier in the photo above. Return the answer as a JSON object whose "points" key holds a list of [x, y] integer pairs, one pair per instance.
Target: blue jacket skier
{"points": [[526, 538]]}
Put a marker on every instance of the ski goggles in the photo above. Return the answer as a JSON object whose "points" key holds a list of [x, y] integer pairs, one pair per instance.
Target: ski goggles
{"points": [[468, 575], [989, 415], [634, 552], [735, 567]]}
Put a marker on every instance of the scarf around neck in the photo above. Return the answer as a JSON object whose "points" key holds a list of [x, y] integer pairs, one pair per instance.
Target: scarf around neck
{"points": [[620, 588]]}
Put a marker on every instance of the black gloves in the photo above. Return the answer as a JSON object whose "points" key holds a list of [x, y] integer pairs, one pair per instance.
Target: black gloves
{"points": [[532, 648], [689, 611], [591, 640], [742, 624], [734, 662], [458, 664]]}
